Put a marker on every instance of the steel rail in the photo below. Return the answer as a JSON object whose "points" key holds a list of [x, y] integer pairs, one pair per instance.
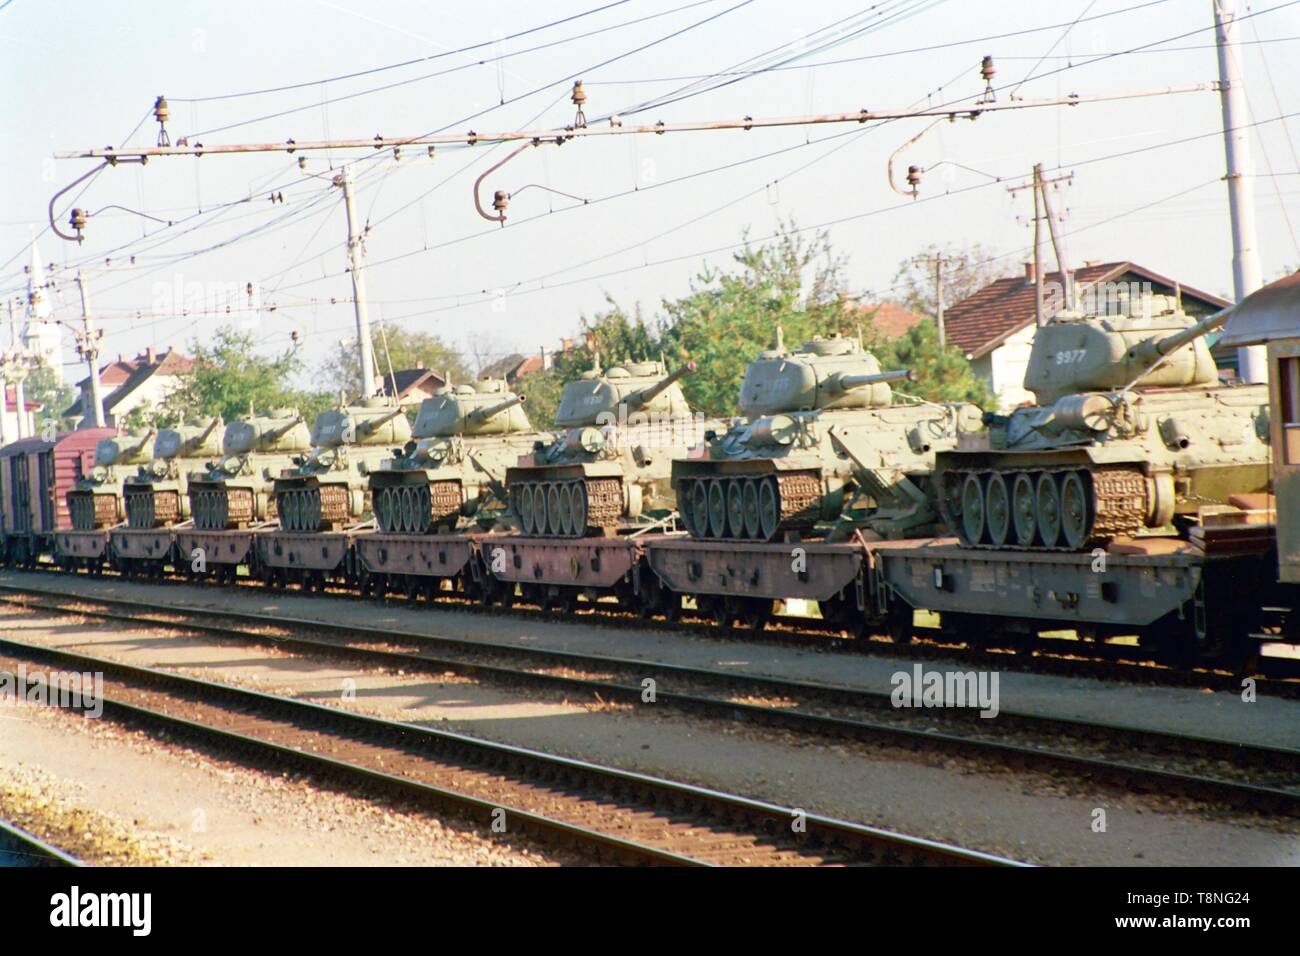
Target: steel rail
{"points": [[1140, 777], [20, 848], [823, 835]]}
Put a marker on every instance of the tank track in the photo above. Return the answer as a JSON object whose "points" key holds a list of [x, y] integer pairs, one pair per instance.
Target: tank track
{"points": [[90, 512], [435, 504], [798, 496], [220, 508], [604, 505], [1117, 506], [152, 509]]}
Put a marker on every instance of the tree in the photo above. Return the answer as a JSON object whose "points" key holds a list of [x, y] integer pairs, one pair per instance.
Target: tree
{"points": [[405, 348], [942, 374], [42, 386], [730, 316], [229, 376], [969, 268]]}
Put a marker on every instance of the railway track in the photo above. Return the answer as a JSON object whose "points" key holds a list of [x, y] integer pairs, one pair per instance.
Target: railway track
{"points": [[20, 848], [603, 812], [1251, 777], [1274, 676]]}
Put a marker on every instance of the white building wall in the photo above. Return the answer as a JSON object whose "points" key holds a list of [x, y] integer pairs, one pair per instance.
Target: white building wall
{"points": [[1004, 369]]}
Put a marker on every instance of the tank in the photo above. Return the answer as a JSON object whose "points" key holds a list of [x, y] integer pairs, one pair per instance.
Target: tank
{"points": [[823, 445], [329, 487], [609, 469], [96, 500], [234, 491], [1132, 427], [464, 439], [156, 494]]}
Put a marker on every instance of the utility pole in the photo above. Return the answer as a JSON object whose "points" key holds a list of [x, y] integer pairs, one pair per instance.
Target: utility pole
{"points": [[1252, 362], [938, 262], [19, 372], [355, 255], [4, 390], [1043, 210], [88, 346]]}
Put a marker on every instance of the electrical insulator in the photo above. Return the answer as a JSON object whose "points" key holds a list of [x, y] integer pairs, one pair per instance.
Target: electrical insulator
{"points": [[249, 290], [579, 98], [914, 179], [431, 152], [302, 162], [987, 72], [162, 114], [499, 202], [77, 220]]}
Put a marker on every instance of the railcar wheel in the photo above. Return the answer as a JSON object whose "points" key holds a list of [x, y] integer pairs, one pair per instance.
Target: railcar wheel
{"points": [[972, 510], [717, 509], [749, 506], [902, 623], [1024, 509], [1076, 510], [1048, 509], [997, 508], [736, 508], [700, 508], [769, 508]]}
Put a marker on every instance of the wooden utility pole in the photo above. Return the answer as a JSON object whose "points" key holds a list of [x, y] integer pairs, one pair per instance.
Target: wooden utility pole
{"points": [[938, 262], [1043, 210], [88, 346]]}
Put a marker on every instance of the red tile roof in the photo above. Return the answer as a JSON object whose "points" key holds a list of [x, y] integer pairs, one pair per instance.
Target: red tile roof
{"points": [[890, 319], [986, 319]]}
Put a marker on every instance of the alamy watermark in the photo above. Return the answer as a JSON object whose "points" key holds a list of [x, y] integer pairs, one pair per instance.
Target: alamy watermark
{"points": [[70, 690], [922, 688]]}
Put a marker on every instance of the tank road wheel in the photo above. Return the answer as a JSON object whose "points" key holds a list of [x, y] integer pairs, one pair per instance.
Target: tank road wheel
{"points": [[1048, 498], [579, 502], [1076, 510], [997, 510], [769, 508], [314, 512], [554, 507], [717, 509], [749, 508], [1024, 509], [700, 509], [408, 510], [566, 509], [383, 509], [524, 506], [539, 508], [223, 510], [424, 500], [736, 507], [972, 510]]}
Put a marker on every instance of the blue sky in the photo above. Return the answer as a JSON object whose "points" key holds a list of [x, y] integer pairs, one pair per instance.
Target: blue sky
{"points": [[83, 75]]}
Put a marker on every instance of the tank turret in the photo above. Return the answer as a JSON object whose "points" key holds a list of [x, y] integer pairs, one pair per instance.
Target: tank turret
{"points": [[608, 470], [1132, 428], [234, 490], [156, 495], [96, 500], [464, 439], [329, 486], [823, 445]]}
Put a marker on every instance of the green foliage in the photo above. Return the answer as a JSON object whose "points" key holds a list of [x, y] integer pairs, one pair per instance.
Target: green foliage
{"points": [[229, 376], [41, 386], [406, 349], [729, 316], [943, 375]]}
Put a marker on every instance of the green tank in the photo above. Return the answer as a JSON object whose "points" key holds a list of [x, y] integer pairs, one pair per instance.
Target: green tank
{"points": [[156, 494], [1131, 428], [329, 486], [609, 468], [235, 490], [823, 446], [96, 500], [464, 438]]}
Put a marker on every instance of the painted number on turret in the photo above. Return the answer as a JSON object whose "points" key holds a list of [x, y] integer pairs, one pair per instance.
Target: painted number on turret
{"points": [[1070, 356]]}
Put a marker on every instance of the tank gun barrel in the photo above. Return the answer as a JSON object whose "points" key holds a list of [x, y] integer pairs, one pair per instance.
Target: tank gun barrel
{"points": [[1154, 348], [651, 392], [139, 446], [280, 431], [483, 414], [196, 441], [372, 424], [848, 382]]}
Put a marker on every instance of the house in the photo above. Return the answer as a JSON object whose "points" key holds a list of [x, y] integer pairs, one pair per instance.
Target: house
{"points": [[128, 384], [890, 320], [514, 367], [412, 385], [995, 326]]}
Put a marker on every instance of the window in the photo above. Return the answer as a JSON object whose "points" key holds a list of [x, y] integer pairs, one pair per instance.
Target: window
{"points": [[1288, 379]]}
